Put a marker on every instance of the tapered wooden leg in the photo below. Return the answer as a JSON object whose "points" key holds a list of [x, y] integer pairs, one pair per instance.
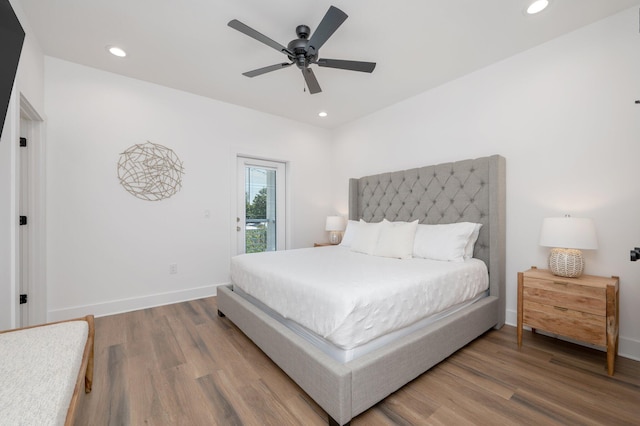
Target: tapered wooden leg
{"points": [[612, 328], [519, 325], [88, 376]]}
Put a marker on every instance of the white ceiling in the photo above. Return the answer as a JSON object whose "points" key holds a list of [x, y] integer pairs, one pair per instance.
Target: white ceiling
{"points": [[187, 45]]}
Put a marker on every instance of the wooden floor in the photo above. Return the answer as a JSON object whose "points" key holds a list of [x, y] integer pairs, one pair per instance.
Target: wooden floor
{"points": [[183, 365]]}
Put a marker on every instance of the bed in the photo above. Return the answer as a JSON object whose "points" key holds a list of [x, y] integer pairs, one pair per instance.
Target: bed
{"points": [[463, 191], [43, 371]]}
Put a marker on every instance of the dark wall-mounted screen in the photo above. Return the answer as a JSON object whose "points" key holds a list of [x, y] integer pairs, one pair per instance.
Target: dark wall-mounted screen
{"points": [[11, 39]]}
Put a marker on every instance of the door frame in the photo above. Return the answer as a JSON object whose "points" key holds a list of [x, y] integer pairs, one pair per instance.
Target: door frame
{"points": [[32, 127]]}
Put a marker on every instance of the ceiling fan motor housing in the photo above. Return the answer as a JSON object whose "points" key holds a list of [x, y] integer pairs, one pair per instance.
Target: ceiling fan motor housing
{"points": [[299, 48]]}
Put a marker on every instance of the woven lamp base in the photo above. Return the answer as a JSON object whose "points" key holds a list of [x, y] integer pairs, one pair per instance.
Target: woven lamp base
{"points": [[335, 237], [566, 262]]}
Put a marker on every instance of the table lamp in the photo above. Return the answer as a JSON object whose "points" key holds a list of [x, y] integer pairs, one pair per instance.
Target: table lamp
{"points": [[567, 235], [335, 225]]}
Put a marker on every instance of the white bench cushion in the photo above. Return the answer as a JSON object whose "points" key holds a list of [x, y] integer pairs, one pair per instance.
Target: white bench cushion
{"points": [[38, 371]]}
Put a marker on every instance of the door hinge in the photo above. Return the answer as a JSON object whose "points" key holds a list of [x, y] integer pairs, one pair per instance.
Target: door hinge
{"points": [[23, 142], [23, 299], [23, 220]]}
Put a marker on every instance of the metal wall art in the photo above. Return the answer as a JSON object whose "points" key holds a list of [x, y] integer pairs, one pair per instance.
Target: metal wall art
{"points": [[150, 171]]}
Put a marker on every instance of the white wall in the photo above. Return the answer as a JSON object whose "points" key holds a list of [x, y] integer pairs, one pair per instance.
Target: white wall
{"points": [[30, 83], [109, 251], [563, 115]]}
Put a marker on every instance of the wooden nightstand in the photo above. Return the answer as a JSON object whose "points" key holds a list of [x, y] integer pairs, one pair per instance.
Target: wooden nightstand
{"points": [[321, 244], [583, 308]]}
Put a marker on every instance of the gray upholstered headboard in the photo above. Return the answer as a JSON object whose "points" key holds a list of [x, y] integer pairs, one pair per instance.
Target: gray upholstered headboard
{"points": [[462, 191]]}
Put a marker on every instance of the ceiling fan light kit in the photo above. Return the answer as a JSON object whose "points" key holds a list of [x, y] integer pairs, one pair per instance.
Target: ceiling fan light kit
{"points": [[304, 51]]}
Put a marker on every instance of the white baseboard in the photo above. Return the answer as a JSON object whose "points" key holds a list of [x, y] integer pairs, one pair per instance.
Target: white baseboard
{"points": [[133, 304], [511, 318], [628, 348]]}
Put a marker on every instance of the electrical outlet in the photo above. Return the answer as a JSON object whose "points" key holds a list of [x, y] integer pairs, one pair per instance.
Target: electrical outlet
{"points": [[173, 268]]}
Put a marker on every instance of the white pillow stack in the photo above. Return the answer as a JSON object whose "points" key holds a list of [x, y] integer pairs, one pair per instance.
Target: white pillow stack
{"points": [[349, 233], [385, 239], [468, 250], [396, 239], [366, 239], [453, 242]]}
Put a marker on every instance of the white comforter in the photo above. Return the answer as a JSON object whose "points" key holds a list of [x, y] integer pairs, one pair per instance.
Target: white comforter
{"points": [[351, 298]]}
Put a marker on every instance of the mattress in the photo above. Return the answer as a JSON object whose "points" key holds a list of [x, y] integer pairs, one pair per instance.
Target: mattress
{"points": [[350, 299]]}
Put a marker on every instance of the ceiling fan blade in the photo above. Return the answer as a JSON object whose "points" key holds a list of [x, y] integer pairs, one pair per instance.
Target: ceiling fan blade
{"points": [[329, 24], [347, 65], [265, 70], [312, 82], [245, 29]]}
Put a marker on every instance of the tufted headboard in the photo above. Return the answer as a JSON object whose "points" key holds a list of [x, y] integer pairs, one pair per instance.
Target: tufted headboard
{"points": [[462, 191]]}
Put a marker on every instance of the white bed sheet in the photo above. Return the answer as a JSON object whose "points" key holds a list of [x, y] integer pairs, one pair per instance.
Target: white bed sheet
{"points": [[351, 298]]}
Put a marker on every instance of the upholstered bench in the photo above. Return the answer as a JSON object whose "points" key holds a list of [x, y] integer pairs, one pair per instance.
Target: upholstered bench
{"points": [[42, 371]]}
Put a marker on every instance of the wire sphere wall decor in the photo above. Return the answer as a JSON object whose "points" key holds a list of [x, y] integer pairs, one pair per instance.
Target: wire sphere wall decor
{"points": [[150, 171]]}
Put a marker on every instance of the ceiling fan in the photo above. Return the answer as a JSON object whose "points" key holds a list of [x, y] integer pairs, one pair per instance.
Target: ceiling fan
{"points": [[304, 51]]}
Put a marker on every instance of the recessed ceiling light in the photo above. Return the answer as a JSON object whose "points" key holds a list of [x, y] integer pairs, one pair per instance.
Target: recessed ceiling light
{"points": [[116, 51], [537, 6], [322, 114]]}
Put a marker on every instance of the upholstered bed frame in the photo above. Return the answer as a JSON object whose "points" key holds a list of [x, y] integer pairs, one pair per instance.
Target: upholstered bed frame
{"points": [[469, 190]]}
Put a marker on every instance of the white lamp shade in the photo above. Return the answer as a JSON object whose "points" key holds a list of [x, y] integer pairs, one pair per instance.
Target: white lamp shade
{"points": [[568, 232], [335, 223]]}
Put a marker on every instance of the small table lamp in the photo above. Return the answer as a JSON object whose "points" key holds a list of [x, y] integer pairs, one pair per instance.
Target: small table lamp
{"points": [[335, 225], [567, 235]]}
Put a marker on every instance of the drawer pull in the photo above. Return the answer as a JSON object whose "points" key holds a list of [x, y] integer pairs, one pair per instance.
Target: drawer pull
{"points": [[560, 308], [560, 282]]}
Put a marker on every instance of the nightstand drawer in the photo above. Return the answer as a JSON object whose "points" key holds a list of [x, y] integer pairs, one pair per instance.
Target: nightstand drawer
{"points": [[578, 325], [566, 295]]}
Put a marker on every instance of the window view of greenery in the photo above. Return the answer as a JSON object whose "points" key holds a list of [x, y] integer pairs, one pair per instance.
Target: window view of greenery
{"points": [[256, 221]]}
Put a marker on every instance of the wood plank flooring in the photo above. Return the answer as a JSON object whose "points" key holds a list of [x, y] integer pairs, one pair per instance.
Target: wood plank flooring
{"points": [[183, 365]]}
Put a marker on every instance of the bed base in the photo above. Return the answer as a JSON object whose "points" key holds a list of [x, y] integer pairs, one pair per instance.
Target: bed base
{"points": [[346, 390]]}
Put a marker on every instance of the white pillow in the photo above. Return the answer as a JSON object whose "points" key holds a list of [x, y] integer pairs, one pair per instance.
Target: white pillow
{"points": [[349, 233], [396, 239], [443, 242], [366, 238], [468, 251]]}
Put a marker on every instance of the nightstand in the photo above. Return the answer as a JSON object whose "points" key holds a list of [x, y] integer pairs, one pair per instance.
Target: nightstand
{"points": [[322, 244], [583, 308]]}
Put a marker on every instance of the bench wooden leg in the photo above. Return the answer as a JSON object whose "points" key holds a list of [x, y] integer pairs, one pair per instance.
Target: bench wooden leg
{"points": [[88, 377]]}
